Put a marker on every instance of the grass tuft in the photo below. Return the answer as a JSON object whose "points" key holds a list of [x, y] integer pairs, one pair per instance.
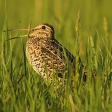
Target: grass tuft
{"points": [[23, 90]]}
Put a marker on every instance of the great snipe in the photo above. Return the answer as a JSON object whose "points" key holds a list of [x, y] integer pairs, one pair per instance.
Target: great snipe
{"points": [[46, 55]]}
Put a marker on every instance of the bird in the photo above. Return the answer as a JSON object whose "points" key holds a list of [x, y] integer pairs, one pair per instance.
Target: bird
{"points": [[47, 56]]}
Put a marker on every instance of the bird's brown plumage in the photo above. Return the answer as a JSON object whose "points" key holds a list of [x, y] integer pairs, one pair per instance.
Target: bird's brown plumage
{"points": [[46, 55]]}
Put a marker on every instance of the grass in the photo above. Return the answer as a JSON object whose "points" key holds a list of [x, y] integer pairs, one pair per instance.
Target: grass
{"points": [[92, 42]]}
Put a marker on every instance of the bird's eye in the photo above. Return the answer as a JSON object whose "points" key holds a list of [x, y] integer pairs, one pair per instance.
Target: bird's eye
{"points": [[43, 27]]}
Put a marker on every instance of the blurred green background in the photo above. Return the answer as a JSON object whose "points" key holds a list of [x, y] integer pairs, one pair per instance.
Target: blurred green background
{"points": [[95, 45]]}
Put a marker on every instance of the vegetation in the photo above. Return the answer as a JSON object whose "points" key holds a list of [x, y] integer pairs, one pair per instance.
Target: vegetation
{"points": [[87, 34]]}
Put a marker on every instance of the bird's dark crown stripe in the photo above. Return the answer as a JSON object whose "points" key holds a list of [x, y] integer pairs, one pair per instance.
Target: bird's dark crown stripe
{"points": [[49, 26]]}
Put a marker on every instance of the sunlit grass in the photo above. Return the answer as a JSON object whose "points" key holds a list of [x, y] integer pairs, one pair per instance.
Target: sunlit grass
{"points": [[92, 42]]}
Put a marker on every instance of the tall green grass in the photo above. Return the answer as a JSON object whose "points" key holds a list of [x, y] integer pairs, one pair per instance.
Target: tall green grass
{"points": [[93, 44]]}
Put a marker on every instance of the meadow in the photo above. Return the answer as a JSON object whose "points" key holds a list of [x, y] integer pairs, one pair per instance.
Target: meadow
{"points": [[89, 38]]}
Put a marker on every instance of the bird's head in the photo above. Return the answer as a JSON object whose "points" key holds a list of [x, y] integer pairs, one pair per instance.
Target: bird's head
{"points": [[41, 31]]}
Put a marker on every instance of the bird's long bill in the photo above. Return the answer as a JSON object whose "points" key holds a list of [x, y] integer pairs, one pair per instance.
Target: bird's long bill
{"points": [[17, 30], [17, 37]]}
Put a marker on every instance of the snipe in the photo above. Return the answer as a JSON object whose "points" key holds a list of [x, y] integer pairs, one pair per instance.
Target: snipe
{"points": [[46, 55]]}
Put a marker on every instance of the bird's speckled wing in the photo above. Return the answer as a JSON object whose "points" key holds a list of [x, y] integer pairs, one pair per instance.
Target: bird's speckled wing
{"points": [[56, 57]]}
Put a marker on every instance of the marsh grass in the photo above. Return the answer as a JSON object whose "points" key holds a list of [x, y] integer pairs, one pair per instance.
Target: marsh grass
{"points": [[93, 44]]}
